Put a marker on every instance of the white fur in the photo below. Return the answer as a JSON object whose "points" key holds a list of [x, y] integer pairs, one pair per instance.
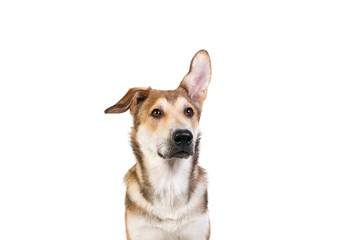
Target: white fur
{"points": [[170, 204], [170, 185], [195, 229]]}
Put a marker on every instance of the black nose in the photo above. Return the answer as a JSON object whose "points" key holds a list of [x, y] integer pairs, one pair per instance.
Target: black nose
{"points": [[182, 137]]}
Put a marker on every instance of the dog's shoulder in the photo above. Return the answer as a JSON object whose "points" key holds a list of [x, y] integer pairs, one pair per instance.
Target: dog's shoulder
{"points": [[131, 176]]}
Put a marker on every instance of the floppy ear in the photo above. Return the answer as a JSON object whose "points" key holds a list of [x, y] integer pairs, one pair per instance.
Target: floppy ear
{"points": [[131, 99], [198, 78]]}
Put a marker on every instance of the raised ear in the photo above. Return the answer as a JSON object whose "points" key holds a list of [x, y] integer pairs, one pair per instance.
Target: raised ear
{"points": [[131, 99], [198, 78]]}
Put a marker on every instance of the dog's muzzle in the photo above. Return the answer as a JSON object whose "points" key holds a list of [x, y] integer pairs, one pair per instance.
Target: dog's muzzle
{"points": [[181, 144]]}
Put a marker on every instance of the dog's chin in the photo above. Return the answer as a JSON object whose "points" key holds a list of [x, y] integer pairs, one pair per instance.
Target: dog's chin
{"points": [[180, 154]]}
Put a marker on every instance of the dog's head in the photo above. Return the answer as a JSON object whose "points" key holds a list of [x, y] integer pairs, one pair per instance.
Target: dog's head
{"points": [[166, 122]]}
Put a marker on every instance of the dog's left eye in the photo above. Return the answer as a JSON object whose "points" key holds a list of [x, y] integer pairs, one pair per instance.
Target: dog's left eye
{"points": [[189, 112], [156, 113]]}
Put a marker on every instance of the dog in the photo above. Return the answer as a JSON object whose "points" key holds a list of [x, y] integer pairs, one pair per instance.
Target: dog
{"points": [[166, 195]]}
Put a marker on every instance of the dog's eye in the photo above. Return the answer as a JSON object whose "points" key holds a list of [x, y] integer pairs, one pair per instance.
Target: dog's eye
{"points": [[189, 112], [156, 113]]}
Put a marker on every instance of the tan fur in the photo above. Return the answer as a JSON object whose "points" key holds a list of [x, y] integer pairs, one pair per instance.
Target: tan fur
{"points": [[166, 196], [127, 231], [208, 236], [128, 101]]}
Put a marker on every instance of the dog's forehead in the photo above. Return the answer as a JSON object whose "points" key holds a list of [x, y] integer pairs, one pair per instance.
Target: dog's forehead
{"points": [[166, 97]]}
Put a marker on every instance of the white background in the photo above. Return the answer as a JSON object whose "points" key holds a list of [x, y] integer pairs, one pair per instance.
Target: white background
{"points": [[281, 132]]}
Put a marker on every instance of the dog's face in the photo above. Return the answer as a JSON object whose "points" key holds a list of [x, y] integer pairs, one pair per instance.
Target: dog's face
{"points": [[166, 122]]}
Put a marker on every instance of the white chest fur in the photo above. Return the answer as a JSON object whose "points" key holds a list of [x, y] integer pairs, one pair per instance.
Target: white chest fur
{"points": [[170, 181], [180, 216], [195, 228]]}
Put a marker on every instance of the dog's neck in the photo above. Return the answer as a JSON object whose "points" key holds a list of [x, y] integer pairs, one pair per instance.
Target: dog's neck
{"points": [[168, 186], [168, 176]]}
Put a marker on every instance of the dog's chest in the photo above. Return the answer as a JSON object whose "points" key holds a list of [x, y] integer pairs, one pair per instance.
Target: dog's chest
{"points": [[197, 227], [170, 191], [173, 213]]}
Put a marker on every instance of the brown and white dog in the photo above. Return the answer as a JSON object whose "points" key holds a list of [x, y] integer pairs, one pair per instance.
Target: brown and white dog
{"points": [[166, 196]]}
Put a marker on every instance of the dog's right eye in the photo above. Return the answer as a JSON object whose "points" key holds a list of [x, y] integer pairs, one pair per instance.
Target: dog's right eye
{"points": [[156, 113]]}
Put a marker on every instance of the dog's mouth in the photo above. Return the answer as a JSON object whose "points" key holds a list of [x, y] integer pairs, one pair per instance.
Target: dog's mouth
{"points": [[179, 154]]}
